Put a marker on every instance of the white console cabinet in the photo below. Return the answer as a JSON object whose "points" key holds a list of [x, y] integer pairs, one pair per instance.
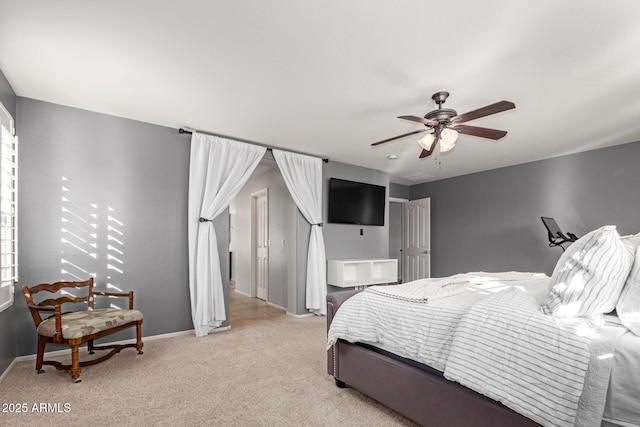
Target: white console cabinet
{"points": [[346, 273]]}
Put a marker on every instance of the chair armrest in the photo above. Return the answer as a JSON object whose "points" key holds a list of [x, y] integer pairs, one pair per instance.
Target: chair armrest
{"points": [[42, 307], [117, 294], [57, 313], [112, 294]]}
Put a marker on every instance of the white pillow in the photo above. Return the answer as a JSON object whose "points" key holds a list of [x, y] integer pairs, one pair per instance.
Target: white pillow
{"points": [[589, 275], [632, 239], [628, 307]]}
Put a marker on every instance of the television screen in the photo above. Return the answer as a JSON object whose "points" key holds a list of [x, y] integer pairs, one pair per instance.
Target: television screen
{"points": [[356, 202]]}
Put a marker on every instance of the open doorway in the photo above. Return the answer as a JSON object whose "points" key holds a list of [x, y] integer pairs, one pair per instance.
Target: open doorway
{"points": [[395, 233], [261, 233]]}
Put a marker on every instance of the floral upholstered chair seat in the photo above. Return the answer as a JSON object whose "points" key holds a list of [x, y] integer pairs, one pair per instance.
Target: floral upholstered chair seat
{"points": [[83, 323]]}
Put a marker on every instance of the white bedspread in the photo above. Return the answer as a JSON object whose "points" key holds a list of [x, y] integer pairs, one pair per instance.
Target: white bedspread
{"points": [[533, 363], [393, 324]]}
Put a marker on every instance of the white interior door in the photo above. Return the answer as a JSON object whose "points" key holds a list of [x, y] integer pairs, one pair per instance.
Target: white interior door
{"points": [[260, 247], [416, 251]]}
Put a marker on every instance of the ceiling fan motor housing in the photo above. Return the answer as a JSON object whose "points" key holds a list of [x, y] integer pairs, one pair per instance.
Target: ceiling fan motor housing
{"points": [[442, 115]]}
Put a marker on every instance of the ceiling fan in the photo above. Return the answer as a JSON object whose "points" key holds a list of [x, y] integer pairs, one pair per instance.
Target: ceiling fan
{"points": [[444, 124]]}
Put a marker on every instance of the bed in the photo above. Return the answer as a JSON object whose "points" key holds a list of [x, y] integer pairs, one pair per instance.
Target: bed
{"points": [[478, 346]]}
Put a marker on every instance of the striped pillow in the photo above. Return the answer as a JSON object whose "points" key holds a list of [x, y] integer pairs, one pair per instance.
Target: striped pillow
{"points": [[628, 307], [589, 275]]}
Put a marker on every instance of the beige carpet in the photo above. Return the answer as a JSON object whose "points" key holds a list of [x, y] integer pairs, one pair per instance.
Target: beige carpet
{"points": [[266, 374]]}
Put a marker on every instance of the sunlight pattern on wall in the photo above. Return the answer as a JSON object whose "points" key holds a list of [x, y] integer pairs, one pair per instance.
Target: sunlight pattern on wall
{"points": [[92, 242]]}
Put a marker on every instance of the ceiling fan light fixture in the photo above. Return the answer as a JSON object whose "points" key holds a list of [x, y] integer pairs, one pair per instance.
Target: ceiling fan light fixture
{"points": [[426, 141], [448, 138], [449, 135], [446, 146]]}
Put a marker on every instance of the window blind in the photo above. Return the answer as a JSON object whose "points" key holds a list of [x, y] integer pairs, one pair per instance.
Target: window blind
{"points": [[8, 209]]}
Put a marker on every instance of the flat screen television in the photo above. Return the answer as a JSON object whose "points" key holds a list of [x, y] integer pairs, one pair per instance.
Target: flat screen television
{"points": [[356, 202]]}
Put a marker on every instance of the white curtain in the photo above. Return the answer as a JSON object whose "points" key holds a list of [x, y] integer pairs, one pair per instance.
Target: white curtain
{"points": [[303, 176], [218, 170]]}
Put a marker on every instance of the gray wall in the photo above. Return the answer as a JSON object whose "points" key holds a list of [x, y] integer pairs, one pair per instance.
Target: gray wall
{"points": [[106, 196], [491, 220], [399, 191], [344, 240], [280, 203], [7, 323]]}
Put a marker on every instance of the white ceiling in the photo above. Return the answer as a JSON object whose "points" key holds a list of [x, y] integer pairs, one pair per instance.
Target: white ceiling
{"points": [[329, 77]]}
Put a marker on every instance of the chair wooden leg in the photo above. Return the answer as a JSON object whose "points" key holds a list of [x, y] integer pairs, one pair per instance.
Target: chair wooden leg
{"points": [[139, 343], [90, 346], [75, 364], [40, 355]]}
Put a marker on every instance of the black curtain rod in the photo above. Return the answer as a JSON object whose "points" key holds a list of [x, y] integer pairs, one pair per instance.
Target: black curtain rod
{"points": [[188, 132]]}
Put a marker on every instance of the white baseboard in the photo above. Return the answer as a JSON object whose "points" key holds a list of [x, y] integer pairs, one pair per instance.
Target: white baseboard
{"points": [[242, 293], [277, 306], [300, 316], [6, 371]]}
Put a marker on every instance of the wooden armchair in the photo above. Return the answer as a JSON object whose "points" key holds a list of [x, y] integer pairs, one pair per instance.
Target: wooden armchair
{"points": [[77, 327]]}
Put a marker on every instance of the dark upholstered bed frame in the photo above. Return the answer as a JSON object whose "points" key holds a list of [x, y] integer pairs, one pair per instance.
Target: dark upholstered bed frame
{"points": [[423, 397]]}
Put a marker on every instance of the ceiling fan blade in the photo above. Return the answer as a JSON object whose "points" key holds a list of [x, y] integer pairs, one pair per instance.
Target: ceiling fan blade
{"points": [[398, 137], [498, 107], [427, 153], [494, 134], [419, 120]]}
